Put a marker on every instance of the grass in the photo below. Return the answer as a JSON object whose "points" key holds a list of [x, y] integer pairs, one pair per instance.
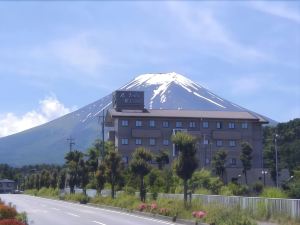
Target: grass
{"points": [[217, 214]]}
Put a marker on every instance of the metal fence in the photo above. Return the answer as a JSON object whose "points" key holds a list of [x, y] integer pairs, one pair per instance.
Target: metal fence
{"points": [[289, 207]]}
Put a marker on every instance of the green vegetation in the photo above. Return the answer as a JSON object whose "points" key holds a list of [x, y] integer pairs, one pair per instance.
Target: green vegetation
{"points": [[10, 216], [246, 157], [89, 170], [140, 166], [186, 162]]}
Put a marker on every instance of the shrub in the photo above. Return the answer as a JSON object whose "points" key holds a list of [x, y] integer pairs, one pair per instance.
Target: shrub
{"points": [[272, 192], [81, 198], [258, 187], [202, 191], [7, 212], [224, 215], [225, 190], [129, 190], [11, 222], [164, 211]]}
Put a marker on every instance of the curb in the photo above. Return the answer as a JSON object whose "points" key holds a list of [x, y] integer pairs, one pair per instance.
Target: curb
{"points": [[151, 215]]}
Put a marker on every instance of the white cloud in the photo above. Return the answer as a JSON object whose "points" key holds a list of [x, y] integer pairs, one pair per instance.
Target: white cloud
{"points": [[49, 108], [202, 25], [278, 9]]}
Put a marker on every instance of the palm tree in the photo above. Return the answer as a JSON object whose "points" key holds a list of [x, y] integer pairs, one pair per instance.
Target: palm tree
{"points": [[162, 158], [219, 161], [140, 166], [186, 163], [73, 159], [113, 168], [246, 157]]}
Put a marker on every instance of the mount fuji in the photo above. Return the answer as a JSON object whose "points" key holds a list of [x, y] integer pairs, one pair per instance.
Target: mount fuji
{"points": [[47, 143]]}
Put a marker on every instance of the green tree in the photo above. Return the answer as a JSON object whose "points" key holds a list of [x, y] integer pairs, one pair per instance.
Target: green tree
{"points": [[113, 168], [100, 178], [246, 157], [140, 166], [218, 163], [73, 160], [162, 158], [62, 179], [186, 162]]}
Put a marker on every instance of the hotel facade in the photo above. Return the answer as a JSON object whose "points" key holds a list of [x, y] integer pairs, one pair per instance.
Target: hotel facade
{"points": [[131, 126]]}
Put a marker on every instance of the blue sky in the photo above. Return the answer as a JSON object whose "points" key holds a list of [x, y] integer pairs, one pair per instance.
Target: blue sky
{"points": [[56, 57]]}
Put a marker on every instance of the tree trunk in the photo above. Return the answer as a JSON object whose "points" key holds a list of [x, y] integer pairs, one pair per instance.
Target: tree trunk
{"points": [[112, 189], [142, 190], [246, 180], [185, 192]]}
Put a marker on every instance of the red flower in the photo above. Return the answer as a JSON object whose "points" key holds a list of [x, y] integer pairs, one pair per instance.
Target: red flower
{"points": [[11, 222]]}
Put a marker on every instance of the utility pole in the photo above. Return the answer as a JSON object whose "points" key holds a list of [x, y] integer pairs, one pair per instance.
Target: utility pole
{"points": [[276, 157], [71, 143]]}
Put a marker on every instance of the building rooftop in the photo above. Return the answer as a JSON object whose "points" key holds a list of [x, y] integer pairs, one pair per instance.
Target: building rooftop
{"points": [[6, 181], [187, 114]]}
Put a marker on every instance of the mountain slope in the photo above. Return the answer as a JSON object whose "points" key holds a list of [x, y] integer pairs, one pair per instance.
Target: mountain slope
{"points": [[48, 143]]}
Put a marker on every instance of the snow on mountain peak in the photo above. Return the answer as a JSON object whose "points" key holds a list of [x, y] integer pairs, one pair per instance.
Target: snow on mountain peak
{"points": [[162, 79]]}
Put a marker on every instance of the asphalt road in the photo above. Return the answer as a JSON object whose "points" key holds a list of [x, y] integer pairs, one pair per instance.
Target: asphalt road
{"points": [[43, 211]]}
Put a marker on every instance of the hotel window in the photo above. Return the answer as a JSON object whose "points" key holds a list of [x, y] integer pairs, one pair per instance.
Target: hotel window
{"points": [[233, 161], [124, 123], [244, 125], [124, 141], [151, 123], [192, 124], [165, 124], [205, 141], [231, 125], [219, 125], [219, 143], [165, 142], [178, 124], [152, 141], [138, 123], [205, 124], [232, 143], [138, 141]]}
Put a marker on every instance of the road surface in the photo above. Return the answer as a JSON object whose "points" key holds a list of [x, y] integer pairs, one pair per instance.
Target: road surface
{"points": [[43, 211]]}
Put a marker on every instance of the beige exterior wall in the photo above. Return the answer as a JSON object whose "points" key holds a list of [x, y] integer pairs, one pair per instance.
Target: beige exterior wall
{"points": [[251, 134]]}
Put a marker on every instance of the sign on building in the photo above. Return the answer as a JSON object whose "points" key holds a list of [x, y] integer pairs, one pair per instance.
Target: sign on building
{"points": [[128, 100]]}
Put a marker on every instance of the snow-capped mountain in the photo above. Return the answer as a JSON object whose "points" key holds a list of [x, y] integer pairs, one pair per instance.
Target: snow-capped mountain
{"points": [[48, 143]]}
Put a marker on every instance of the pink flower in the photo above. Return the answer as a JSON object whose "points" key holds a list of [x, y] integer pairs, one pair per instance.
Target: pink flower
{"points": [[199, 214], [142, 206], [153, 206]]}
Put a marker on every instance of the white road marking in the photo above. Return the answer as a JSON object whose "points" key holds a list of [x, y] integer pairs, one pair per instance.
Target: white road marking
{"points": [[71, 214], [114, 211], [98, 222]]}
